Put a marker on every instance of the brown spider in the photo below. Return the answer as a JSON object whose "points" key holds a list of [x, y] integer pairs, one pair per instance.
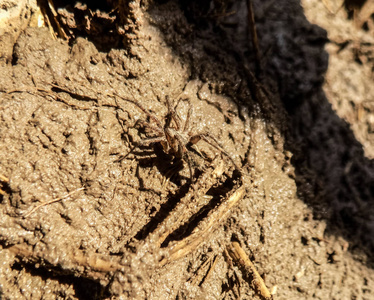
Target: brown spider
{"points": [[174, 138]]}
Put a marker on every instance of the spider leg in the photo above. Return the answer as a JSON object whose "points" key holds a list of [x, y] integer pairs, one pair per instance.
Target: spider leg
{"points": [[196, 148], [143, 142], [143, 123], [125, 156], [170, 173], [183, 152], [189, 113], [176, 106], [209, 138], [151, 140], [148, 113], [189, 163], [173, 114]]}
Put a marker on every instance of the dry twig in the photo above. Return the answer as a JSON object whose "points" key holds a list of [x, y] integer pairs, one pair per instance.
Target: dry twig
{"points": [[3, 179], [242, 260], [188, 205], [90, 265], [51, 201], [216, 217]]}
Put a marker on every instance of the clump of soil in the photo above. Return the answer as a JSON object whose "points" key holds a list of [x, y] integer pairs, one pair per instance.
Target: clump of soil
{"points": [[97, 204]]}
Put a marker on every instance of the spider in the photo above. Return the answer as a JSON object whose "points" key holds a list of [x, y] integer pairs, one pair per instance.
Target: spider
{"points": [[173, 137]]}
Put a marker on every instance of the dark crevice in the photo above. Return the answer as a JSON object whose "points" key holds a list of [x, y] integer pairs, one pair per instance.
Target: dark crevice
{"points": [[84, 288], [165, 209], [218, 194]]}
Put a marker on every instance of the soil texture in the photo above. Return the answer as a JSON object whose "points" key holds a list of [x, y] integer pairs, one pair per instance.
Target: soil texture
{"points": [[155, 150]]}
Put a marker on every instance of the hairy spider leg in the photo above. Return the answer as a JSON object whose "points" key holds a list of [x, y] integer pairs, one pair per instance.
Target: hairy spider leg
{"points": [[189, 163], [172, 114], [152, 140], [187, 123], [205, 137], [157, 130], [182, 151], [151, 116], [144, 142]]}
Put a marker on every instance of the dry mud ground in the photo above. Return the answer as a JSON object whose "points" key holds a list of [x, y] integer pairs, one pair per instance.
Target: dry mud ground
{"points": [[292, 182]]}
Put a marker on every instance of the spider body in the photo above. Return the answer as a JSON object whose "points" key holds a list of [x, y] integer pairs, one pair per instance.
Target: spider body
{"points": [[174, 138], [174, 143]]}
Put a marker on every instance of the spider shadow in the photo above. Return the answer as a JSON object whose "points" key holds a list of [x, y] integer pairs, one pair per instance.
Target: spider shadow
{"points": [[170, 168], [217, 193], [84, 288]]}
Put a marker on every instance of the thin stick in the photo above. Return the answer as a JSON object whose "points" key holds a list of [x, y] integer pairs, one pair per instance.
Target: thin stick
{"points": [[211, 269], [51, 201], [77, 262], [252, 27], [242, 260], [201, 233], [200, 277], [3, 178], [192, 202]]}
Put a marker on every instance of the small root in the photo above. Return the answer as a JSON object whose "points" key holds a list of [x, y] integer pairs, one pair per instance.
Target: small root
{"points": [[51, 201]]}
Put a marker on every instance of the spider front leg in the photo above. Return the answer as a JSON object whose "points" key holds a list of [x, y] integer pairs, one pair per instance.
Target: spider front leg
{"points": [[143, 109], [158, 138], [187, 123], [175, 116], [151, 140], [142, 143], [206, 137], [148, 127], [177, 144], [172, 114], [189, 163]]}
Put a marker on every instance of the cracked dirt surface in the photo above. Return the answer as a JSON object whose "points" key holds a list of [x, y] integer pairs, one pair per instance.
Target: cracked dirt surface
{"points": [[126, 221]]}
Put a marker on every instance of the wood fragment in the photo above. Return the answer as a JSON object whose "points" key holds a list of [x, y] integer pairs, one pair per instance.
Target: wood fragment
{"points": [[363, 14], [211, 269], [274, 290], [3, 179], [249, 270], [80, 263], [201, 233], [187, 205]]}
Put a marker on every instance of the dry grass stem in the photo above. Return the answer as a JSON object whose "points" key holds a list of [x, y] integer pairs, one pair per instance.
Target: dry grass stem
{"points": [[88, 265], [3, 179], [188, 205], [200, 234], [52, 201], [249, 270]]}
